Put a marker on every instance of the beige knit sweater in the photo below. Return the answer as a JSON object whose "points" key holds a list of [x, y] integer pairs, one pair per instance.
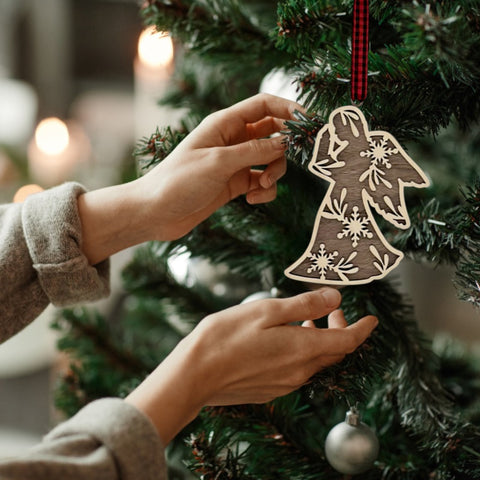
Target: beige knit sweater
{"points": [[41, 263]]}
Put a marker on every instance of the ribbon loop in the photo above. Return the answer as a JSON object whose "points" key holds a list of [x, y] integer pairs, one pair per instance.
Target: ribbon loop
{"points": [[359, 69]]}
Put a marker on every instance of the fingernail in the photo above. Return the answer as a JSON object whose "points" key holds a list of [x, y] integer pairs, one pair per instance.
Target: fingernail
{"points": [[331, 297], [281, 142]]}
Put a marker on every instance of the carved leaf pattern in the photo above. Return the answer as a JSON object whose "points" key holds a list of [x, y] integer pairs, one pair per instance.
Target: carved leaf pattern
{"points": [[365, 169]]}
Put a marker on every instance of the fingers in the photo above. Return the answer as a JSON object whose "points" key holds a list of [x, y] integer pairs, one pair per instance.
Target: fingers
{"points": [[306, 306], [341, 341], [274, 171], [337, 320], [362, 329], [263, 185], [265, 127], [263, 105], [252, 153], [261, 195], [325, 347]]}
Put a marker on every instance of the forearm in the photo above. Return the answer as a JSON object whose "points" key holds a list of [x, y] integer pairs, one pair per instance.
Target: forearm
{"points": [[112, 219], [173, 394]]}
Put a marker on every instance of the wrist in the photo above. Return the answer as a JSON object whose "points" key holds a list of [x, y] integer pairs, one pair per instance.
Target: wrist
{"points": [[170, 396], [112, 219]]}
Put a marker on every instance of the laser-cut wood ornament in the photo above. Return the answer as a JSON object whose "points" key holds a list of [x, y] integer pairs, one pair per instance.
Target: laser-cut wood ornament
{"points": [[365, 169]]}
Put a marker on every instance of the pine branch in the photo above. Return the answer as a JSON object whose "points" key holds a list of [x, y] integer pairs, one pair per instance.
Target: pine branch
{"points": [[217, 30], [419, 78], [432, 236], [406, 98], [99, 365], [468, 268], [93, 330], [301, 137], [451, 236], [148, 276], [305, 27], [151, 150], [214, 460], [424, 71], [277, 436], [450, 441], [430, 36], [201, 88]]}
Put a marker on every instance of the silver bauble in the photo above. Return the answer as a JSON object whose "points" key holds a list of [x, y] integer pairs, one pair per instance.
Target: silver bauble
{"points": [[210, 279], [351, 447]]}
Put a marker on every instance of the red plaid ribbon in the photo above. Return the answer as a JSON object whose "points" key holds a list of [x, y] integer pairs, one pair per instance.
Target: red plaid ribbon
{"points": [[359, 50]]}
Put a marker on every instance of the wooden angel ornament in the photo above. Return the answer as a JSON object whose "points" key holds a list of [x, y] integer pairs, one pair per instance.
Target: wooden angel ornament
{"points": [[365, 169]]}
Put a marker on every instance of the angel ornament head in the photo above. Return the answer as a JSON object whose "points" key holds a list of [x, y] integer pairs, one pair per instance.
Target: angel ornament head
{"points": [[365, 169]]}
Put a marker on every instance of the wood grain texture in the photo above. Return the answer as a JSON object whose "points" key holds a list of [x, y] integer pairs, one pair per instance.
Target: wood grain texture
{"points": [[365, 169]]}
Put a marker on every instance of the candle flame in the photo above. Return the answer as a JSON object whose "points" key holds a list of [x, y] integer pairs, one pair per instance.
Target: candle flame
{"points": [[51, 136], [155, 49]]}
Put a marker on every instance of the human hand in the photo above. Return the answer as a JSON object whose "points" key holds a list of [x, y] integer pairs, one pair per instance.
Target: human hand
{"points": [[210, 167], [252, 353], [249, 353], [213, 165]]}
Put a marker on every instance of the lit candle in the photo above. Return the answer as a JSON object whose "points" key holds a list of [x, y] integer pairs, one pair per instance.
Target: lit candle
{"points": [[56, 151], [25, 191], [153, 68], [51, 136], [155, 49]]}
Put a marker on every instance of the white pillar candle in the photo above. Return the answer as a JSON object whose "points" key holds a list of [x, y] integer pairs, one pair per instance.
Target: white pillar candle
{"points": [[18, 109], [153, 68]]}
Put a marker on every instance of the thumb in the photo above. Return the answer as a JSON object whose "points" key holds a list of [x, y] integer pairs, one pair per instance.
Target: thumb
{"points": [[255, 152]]}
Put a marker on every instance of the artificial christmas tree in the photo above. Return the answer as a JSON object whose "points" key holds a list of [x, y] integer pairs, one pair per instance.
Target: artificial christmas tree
{"points": [[423, 88]]}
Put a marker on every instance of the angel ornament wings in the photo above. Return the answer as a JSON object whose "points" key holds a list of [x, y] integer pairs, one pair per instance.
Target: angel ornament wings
{"points": [[365, 169]]}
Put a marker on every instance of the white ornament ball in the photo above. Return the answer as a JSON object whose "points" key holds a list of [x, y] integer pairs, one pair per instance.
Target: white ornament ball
{"points": [[273, 293], [351, 447], [280, 83]]}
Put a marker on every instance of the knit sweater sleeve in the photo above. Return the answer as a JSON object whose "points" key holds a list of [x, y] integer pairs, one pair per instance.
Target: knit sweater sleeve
{"points": [[41, 261], [106, 440]]}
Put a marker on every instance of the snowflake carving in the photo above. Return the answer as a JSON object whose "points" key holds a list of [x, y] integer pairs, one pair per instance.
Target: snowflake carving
{"points": [[365, 169], [322, 261], [378, 154], [355, 227]]}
